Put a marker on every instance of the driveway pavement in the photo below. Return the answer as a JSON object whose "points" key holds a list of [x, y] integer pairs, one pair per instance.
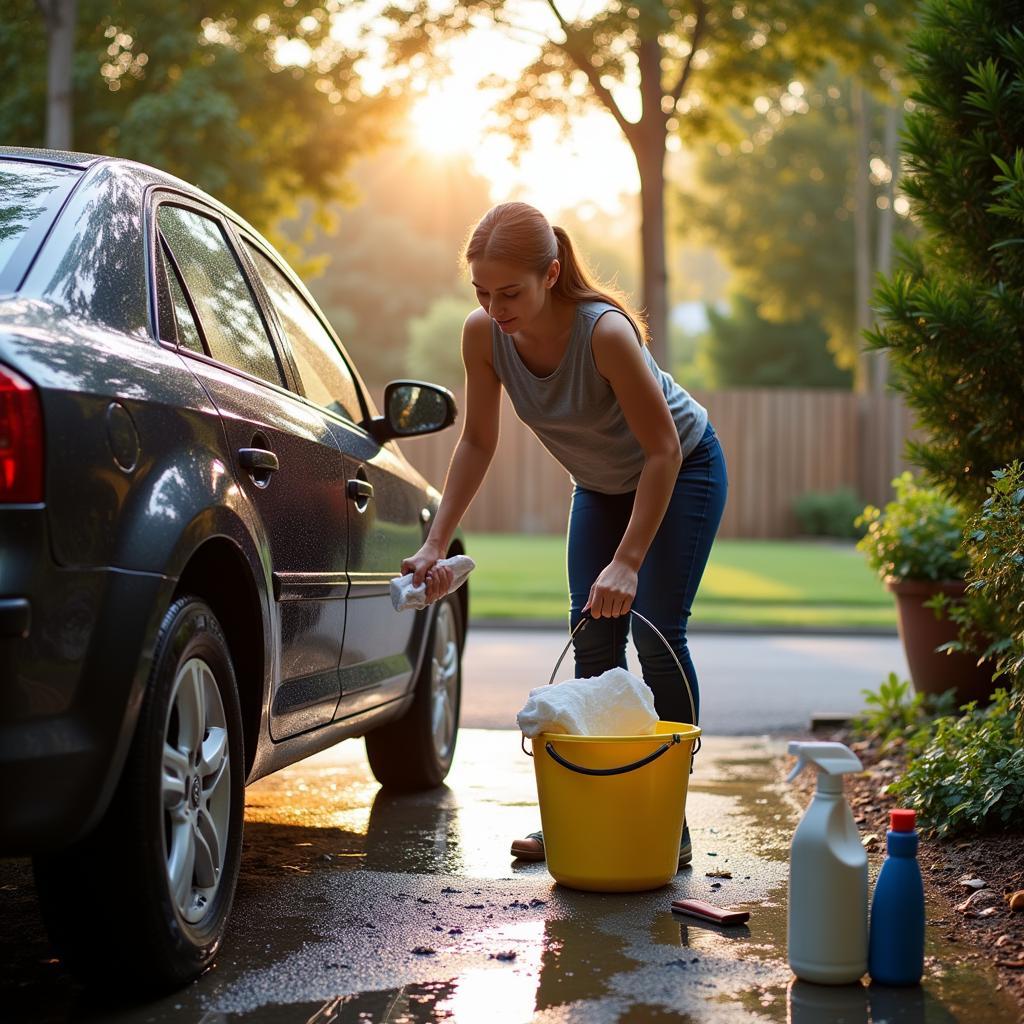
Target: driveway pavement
{"points": [[749, 684], [359, 907]]}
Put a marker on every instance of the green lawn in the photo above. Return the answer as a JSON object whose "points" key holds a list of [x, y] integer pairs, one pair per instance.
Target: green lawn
{"points": [[762, 583]]}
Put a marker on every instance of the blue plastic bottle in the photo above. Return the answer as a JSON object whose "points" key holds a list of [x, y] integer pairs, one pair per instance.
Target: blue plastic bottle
{"points": [[896, 938]]}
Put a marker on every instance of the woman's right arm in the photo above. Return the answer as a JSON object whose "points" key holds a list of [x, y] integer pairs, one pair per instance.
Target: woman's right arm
{"points": [[472, 454]]}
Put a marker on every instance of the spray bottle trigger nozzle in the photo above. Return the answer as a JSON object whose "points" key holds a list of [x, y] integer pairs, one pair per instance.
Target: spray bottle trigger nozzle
{"points": [[828, 758]]}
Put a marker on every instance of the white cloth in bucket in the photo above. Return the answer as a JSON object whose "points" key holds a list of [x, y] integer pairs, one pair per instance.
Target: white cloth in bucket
{"points": [[614, 703], [404, 595]]}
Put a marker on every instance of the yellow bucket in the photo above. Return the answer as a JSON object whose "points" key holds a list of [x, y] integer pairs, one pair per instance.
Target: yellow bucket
{"points": [[612, 807]]}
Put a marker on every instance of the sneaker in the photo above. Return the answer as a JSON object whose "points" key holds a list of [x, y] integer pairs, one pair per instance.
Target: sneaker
{"points": [[529, 848], [685, 848]]}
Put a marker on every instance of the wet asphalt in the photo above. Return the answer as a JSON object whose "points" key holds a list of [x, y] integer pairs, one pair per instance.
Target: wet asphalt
{"points": [[358, 906]]}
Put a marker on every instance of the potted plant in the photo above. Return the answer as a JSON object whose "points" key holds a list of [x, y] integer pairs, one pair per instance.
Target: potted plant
{"points": [[915, 544]]}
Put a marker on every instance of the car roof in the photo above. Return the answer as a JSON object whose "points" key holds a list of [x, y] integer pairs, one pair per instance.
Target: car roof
{"points": [[85, 161], [50, 156]]}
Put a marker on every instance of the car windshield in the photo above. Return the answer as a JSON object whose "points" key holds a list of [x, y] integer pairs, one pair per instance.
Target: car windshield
{"points": [[31, 195]]}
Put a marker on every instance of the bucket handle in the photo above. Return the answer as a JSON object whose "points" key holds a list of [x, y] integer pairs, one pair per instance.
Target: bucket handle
{"points": [[580, 770], [657, 632], [668, 647]]}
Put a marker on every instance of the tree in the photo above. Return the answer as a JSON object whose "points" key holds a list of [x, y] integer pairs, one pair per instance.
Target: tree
{"points": [[61, 17], [782, 207], [659, 67], [258, 104], [746, 350], [953, 312]]}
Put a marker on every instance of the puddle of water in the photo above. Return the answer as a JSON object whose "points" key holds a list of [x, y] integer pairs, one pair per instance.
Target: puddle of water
{"points": [[341, 882]]}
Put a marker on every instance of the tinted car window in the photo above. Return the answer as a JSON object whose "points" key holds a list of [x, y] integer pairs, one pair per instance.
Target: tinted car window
{"points": [[30, 198], [325, 377], [187, 333], [230, 318]]}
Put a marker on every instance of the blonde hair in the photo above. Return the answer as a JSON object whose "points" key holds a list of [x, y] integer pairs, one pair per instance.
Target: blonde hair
{"points": [[519, 233]]}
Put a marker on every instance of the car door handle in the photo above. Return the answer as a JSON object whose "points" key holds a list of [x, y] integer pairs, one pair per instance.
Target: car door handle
{"points": [[258, 460], [360, 490]]}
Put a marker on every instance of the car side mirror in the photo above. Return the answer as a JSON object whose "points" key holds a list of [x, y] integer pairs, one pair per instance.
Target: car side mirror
{"points": [[413, 408]]}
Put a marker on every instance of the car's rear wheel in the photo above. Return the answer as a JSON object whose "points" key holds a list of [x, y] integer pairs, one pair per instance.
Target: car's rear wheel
{"points": [[416, 751], [170, 844]]}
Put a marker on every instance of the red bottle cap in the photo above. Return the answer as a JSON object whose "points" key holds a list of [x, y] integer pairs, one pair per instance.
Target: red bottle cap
{"points": [[902, 820]]}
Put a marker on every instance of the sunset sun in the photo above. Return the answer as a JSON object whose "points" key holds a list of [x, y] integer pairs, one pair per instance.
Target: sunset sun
{"points": [[446, 120]]}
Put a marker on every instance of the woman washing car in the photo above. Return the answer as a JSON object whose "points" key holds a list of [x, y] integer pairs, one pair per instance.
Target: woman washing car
{"points": [[649, 477]]}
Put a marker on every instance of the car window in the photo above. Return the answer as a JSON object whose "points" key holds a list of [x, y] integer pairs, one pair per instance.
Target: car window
{"points": [[325, 377], [30, 197], [188, 333], [228, 313]]}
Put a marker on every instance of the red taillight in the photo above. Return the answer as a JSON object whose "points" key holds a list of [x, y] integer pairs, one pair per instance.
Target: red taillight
{"points": [[21, 440]]}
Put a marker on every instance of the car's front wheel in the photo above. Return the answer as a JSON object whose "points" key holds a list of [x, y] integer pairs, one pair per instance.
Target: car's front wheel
{"points": [[149, 891], [416, 751]]}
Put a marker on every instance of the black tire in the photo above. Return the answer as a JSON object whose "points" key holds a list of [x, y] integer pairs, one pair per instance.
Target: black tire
{"points": [[409, 754], [107, 900]]}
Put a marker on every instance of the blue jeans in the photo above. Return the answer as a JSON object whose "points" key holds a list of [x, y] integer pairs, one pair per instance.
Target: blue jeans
{"points": [[667, 581]]}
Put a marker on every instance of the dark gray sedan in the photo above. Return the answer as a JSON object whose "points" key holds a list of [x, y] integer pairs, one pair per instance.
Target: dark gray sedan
{"points": [[201, 511]]}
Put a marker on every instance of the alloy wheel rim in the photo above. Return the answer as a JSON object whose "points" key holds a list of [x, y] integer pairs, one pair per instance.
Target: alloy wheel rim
{"points": [[444, 681], [195, 789]]}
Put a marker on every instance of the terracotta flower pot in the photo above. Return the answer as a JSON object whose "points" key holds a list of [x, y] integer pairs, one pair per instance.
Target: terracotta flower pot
{"points": [[921, 632]]}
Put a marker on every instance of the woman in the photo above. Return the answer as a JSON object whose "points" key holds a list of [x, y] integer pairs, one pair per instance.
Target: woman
{"points": [[648, 473]]}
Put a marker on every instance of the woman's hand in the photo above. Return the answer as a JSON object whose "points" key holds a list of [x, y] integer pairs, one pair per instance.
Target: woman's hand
{"points": [[423, 565], [613, 591]]}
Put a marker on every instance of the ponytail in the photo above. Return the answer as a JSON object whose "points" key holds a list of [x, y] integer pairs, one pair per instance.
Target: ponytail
{"points": [[519, 233], [576, 283]]}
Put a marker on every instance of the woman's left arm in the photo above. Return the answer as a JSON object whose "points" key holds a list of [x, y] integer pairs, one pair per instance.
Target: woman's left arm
{"points": [[619, 359]]}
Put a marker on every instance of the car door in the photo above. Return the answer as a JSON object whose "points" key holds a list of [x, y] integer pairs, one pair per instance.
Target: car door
{"points": [[284, 457], [385, 523]]}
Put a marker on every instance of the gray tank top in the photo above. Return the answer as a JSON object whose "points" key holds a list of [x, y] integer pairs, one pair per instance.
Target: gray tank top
{"points": [[575, 414]]}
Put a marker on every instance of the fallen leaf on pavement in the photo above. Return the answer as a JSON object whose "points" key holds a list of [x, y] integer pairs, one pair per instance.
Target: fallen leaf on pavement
{"points": [[718, 874]]}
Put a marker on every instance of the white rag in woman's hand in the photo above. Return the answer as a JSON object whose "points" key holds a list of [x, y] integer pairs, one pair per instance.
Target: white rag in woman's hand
{"points": [[404, 595], [614, 703]]}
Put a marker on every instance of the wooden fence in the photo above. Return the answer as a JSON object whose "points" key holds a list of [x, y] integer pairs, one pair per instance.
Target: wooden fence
{"points": [[779, 444]]}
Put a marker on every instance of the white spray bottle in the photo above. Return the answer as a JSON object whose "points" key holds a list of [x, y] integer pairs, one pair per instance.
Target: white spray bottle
{"points": [[828, 875]]}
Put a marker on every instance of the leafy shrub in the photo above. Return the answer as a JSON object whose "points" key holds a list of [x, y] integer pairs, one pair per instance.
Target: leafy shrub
{"points": [[994, 605], [967, 772], [951, 314], [918, 536], [829, 513], [896, 715]]}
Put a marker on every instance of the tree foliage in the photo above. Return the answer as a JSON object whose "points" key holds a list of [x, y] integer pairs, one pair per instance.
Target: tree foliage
{"points": [[747, 350], [780, 208], [660, 68], [954, 312], [389, 256], [211, 98]]}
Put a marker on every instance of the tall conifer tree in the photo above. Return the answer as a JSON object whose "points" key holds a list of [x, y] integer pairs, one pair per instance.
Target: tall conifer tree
{"points": [[954, 312]]}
